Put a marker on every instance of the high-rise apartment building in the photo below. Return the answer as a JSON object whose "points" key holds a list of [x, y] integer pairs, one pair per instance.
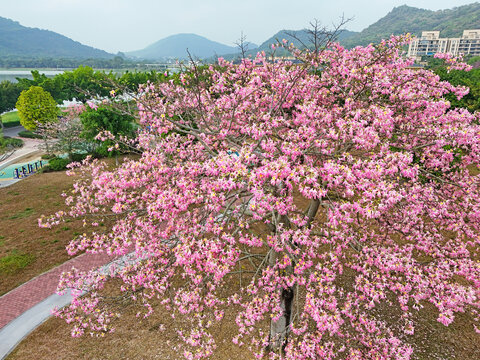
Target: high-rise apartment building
{"points": [[430, 43]]}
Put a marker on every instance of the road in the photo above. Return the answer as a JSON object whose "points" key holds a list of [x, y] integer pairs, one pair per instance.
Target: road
{"points": [[13, 131]]}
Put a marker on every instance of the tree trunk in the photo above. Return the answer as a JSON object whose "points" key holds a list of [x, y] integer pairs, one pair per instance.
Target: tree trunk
{"points": [[280, 328], [312, 210], [47, 148]]}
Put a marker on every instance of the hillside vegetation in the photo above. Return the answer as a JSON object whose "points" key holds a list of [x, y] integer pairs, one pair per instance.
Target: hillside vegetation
{"points": [[406, 19], [21, 41], [300, 38]]}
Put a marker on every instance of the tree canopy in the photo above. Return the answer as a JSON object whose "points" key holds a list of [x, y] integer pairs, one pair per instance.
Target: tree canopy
{"points": [[98, 119], [85, 83], [9, 93], [470, 79], [36, 106], [333, 189]]}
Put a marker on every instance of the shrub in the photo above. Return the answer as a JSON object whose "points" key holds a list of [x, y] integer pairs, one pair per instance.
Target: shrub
{"points": [[48, 156], [13, 142], [29, 135], [10, 119], [77, 157], [99, 153], [57, 164], [12, 124], [10, 142], [36, 106]]}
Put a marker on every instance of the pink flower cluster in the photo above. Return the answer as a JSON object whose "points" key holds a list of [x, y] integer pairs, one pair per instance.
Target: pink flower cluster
{"points": [[454, 63]]}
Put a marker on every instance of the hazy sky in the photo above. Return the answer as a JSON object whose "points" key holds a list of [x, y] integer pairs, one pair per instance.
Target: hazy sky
{"points": [[124, 25]]}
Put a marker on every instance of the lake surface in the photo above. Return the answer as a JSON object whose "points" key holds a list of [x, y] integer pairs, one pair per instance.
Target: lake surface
{"points": [[11, 75]]}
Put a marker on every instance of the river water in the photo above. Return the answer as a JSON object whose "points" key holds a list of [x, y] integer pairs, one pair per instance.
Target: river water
{"points": [[11, 75]]}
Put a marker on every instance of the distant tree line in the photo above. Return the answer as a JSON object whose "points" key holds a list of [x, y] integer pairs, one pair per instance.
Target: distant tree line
{"points": [[81, 84], [118, 62], [75, 128]]}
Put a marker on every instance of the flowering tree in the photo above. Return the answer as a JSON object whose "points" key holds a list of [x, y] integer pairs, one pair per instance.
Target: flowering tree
{"points": [[64, 135], [333, 187]]}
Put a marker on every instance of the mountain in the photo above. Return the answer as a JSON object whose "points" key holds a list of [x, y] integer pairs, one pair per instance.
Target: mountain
{"points": [[175, 46], [404, 19], [18, 40]]}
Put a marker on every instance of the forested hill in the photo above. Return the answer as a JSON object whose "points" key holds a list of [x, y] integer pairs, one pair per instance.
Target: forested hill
{"points": [[175, 46], [18, 40], [404, 19]]}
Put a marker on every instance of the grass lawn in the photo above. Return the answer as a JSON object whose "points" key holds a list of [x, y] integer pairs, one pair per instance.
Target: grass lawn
{"points": [[11, 119], [25, 249]]}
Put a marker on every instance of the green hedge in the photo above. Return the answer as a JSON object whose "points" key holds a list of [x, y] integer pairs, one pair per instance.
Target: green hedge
{"points": [[7, 141], [29, 135], [78, 157], [12, 124], [56, 164], [48, 156], [11, 119]]}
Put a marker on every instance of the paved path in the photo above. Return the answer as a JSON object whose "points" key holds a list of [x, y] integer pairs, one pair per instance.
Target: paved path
{"points": [[30, 148], [13, 333], [28, 151], [26, 307], [13, 131], [32, 292]]}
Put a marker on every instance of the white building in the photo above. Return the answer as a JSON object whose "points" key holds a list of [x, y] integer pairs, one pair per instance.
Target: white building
{"points": [[430, 43]]}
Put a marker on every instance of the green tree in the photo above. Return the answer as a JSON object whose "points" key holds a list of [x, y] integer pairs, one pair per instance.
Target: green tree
{"points": [[470, 79], [36, 106], [55, 86], [9, 93], [130, 81], [84, 83], [106, 119]]}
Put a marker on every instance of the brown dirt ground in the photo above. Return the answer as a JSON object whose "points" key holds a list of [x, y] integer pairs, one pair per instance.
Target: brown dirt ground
{"points": [[136, 338], [133, 339], [141, 339]]}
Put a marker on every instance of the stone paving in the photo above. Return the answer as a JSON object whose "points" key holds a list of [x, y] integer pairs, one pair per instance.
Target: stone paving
{"points": [[19, 300]]}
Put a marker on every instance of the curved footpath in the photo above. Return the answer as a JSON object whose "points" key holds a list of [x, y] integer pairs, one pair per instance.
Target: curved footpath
{"points": [[26, 307], [28, 150]]}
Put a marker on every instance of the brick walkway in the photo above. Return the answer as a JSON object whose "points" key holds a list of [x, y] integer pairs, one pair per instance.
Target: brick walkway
{"points": [[19, 300]]}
